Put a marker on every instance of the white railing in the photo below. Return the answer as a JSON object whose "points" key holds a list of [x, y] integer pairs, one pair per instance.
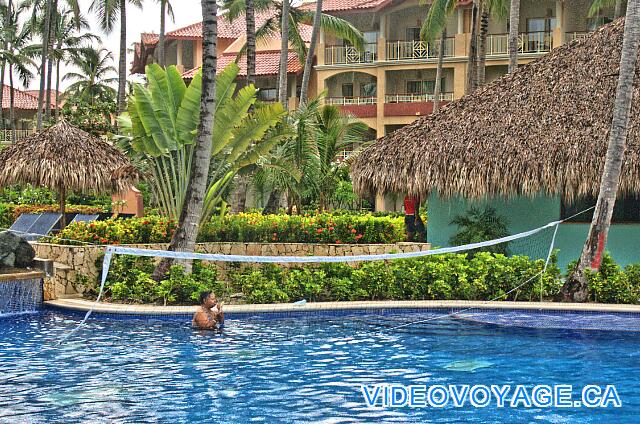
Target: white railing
{"points": [[341, 55], [578, 35], [408, 50], [528, 42], [347, 101], [343, 155], [7, 138], [416, 98]]}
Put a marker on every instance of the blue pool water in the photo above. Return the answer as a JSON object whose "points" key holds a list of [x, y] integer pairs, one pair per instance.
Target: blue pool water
{"points": [[295, 370]]}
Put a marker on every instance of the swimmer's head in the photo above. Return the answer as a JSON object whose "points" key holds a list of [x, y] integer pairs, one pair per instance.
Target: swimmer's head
{"points": [[208, 299]]}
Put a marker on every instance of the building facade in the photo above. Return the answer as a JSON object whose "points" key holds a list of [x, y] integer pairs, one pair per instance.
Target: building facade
{"points": [[391, 81]]}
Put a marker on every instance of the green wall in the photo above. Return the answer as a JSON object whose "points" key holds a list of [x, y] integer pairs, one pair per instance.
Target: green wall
{"points": [[524, 214]]}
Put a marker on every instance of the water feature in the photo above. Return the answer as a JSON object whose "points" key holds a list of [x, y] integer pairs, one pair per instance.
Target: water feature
{"points": [[20, 293]]}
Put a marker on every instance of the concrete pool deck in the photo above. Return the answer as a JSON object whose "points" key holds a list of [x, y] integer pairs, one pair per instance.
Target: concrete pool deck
{"points": [[81, 305]]}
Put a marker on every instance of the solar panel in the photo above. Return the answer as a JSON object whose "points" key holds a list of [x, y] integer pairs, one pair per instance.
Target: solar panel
{"points": [[43, 225], [24, 222], [85, 218]]}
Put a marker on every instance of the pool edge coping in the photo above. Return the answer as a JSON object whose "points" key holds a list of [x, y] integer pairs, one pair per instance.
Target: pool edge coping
{"points": [[81, 305]]}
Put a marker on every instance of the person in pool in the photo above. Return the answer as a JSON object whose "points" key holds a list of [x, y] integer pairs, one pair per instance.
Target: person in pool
{"points": [[209, 315]]}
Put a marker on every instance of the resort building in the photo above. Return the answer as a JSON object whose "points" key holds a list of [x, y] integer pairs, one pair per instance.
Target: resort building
{"points": [[391, 81], [25, 105]]}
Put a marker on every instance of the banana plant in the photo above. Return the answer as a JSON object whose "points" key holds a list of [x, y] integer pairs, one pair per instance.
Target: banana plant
{"points": [[161, 124]]}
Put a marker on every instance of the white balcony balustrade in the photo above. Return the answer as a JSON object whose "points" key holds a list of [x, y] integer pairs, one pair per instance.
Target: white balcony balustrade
{"points": [[344, 55], [411, 50], [416, 98]]}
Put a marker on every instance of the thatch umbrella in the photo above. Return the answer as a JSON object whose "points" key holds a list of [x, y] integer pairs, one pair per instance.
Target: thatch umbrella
{"points": [[543, 128], [64, 158]]}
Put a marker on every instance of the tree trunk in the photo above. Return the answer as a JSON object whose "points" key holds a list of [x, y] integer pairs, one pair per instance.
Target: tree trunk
{"points": [[62, 198], [473, 49], [482, 46], [250, 17], [239, 196], [43, 61], [52, 37], [3, 64], [122, 66], [12, 112], [284, 55], [272, 203], [184, 239], [576, 288], [308, 65], [617, 11], [57, 103], [514, 27], [438, 89], [163, 19]]}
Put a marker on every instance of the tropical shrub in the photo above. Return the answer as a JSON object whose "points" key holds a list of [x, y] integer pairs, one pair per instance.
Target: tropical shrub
{"points": [[161, 125], [151, 229], [486, 276], [478, 225], [612, 284], [323, 228]]}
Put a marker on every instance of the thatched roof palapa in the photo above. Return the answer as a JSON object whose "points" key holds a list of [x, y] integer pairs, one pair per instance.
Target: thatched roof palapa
{"points": [[543, 128], [66, 157]]}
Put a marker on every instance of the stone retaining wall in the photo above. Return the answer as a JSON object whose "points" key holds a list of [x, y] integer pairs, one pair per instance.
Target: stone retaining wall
{"points": [[76, 265]]}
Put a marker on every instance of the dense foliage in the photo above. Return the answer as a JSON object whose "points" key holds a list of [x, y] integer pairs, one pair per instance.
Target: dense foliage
{"points": [[253, 227], [613, 284], [95, 117], [484, 277]]}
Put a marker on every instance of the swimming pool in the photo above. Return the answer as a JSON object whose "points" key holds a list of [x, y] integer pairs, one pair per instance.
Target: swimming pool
{"points": [[301, 369]]}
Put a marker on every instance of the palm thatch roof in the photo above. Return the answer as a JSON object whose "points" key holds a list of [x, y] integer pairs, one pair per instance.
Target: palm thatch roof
{"points": [[64, 157], [543, 128]]}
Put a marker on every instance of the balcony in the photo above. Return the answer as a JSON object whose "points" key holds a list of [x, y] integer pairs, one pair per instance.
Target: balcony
{"points": [[412, 50], [571, 36], [361, 107], [345, 55], [528, 42], [6, 136], [411, 104]]}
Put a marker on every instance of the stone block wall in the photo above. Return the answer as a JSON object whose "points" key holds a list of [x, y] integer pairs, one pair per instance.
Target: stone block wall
{"points": [[74, 266]]}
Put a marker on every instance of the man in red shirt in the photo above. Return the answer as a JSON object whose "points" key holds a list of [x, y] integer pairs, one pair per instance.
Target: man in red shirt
{"points": [[410, 204]]}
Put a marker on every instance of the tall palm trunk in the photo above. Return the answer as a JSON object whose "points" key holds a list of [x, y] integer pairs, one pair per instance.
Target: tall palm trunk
{"points": [[250, 17], [163, 22], [184, 239], [57, 103], [12, 112], [576, 289], [473, 50], [306, 76], [514, 23], [482, 46], [284, 55], [43, 61], [3, 64], [52, 36], [438, 87], [122, 66], [617, 11]]}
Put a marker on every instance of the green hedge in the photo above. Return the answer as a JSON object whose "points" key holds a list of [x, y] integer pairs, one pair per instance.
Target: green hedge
{"points": [[613, 284], [444, 277], [324, 228]]}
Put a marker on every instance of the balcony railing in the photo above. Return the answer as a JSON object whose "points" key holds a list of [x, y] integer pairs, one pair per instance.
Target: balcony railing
{"points": [[416, 98], [528, 42], [339, 55], [6, 135], [579, 35], [409, 50], [349, 101]]}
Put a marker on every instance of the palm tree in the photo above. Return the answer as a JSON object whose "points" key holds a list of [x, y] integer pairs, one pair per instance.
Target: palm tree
{"points": [[47, 7], [107, 11], [68, 44], [576, 287], [184, 239], [94, 78], [514, 24], [598, 5], [250, 20], [434, 24], [306, 76], [284, 54], [165, 7], [5, 16], [17, 54], [297, 16], [498, 10]]}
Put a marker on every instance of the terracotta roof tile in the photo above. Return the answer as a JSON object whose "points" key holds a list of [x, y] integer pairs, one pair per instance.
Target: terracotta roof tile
{"points": [[226, 29], [22, 100], [343, 5], [267, 63]]}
